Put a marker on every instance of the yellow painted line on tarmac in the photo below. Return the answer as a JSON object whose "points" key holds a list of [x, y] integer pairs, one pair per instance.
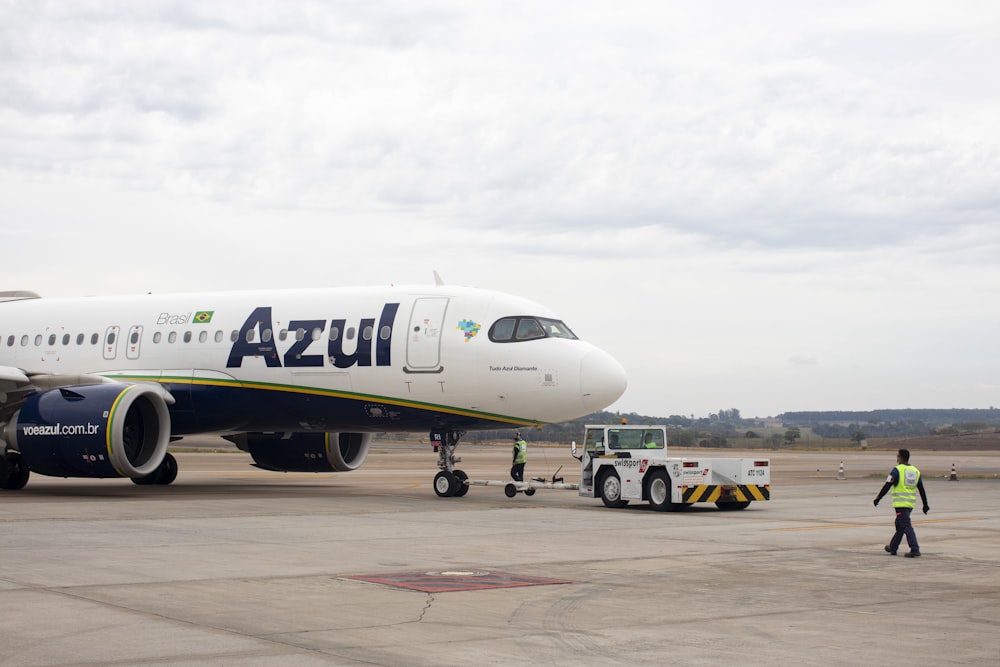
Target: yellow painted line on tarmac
{"points": [[880, 524]]}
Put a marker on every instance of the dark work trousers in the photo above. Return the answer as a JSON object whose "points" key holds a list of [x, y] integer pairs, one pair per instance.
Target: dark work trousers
{"points": [[903, 527], [517, 472]]}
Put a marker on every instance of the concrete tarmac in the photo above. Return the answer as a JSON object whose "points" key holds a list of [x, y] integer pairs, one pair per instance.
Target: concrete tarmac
{"points": [[236, 566]]}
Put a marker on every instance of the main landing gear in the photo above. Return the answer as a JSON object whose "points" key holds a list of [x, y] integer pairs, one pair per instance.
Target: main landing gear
{"points": [[13, 473], [450, 482]]}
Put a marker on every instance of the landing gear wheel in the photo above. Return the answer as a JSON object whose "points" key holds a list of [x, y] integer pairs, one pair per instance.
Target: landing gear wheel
{"points": [[165, 473], [168, 470], [611, 490], [13, 474], [462, 488], [510, 490], [445, 484], [732, 505], [659, 491]]}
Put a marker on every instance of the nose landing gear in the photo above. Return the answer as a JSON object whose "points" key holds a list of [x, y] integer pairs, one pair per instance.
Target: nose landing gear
{"points": [[450, 482]]}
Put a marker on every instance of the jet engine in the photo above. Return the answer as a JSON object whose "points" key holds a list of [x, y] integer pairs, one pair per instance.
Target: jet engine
{"points": [[305, 451], [99, 430]]}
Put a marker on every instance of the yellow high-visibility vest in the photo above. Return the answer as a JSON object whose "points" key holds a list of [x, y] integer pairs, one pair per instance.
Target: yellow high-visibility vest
{"points": [[904, 493], [520, 452]]}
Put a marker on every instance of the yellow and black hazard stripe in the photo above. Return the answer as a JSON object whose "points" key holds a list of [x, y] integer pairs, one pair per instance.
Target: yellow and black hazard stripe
{"points": [[709, 493]]}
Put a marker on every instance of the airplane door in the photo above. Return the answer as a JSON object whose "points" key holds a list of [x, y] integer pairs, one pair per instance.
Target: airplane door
{"points": [[134, 339], [111, 342], [423, 342]]}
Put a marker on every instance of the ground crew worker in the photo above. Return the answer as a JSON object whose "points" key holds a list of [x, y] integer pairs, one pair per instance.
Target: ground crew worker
{"points": [[905, 481], [519, 458]]}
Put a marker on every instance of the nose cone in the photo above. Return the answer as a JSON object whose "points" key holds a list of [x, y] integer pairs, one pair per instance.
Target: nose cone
{"points": [[602, 380]]}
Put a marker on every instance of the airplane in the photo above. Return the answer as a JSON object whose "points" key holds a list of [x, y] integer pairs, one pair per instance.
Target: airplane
{"points": [[97, 387]]}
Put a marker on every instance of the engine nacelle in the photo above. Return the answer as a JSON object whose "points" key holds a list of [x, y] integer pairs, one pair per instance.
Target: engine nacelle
{"points": [[100, 430], [305, 451]]}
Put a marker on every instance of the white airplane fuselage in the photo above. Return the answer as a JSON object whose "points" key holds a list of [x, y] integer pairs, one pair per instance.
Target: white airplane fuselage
{"points": [[357, 360]]}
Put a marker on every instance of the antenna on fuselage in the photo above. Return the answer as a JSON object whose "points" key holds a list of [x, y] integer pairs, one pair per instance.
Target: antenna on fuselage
{"points": [[437, 279]]}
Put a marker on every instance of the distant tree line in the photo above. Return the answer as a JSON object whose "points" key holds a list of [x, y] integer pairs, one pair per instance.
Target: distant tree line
{"points": [[894, 423], [727, 428], [932, 418]]}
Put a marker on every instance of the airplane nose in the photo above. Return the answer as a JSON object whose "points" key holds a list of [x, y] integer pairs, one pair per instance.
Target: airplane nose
{"points": [[602, 380]]}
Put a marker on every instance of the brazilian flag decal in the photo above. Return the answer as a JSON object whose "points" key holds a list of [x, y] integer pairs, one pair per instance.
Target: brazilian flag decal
{"points": [[203, 316]]}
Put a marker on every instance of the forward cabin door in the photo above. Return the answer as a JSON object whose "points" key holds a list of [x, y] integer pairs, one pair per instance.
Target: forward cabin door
{"points": [[423, 341]]}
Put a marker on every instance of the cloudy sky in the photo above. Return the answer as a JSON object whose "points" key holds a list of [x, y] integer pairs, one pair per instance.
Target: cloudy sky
{"points": [[762, 205]]}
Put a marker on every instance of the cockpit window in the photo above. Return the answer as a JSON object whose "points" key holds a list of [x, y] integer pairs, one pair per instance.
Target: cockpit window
{"points": [[529, 328], [516, 329], [503, 330], [556, 329]]}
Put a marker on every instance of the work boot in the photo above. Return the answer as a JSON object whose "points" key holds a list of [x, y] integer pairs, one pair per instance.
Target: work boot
{"points": [[889, 551], [912, 554]]}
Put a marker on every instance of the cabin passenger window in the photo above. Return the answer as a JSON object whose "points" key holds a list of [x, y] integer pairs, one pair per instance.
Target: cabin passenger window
{"points": [[300, 334], [234, 336], [350, 333], [187, 336], [203, 337], [157, 337], [265, 335], [283, 334], [134, 337], [65, 339], [79, 339], [366, 334], [10, 341], [172, 337], [24, 340], [317, 333], [38, 340], [94, 338], [385, 332], [334, 333], [218, 336], [52, 340]]}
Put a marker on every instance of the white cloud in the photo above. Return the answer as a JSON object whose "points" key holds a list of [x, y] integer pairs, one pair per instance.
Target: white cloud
{"points": [[719, 193]]}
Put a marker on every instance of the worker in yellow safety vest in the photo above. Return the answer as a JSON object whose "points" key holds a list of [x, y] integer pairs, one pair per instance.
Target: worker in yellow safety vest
{"points": [[905, 482], [519, 458]]}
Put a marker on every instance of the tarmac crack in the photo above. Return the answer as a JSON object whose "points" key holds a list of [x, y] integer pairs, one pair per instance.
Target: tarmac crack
{"points": [[427, 608]]}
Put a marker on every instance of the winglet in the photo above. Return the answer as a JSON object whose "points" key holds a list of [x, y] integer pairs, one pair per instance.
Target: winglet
{"points": [[437, 279]]}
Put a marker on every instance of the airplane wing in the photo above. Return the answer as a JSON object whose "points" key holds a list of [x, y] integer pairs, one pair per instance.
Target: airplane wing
{"points": [[12, 378], [15, 384]]}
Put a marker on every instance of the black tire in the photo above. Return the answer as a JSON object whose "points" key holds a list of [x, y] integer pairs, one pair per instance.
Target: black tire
{"points": [[147, 480], [529, 492], [659, 491], [167, 470], [732, 505], [445, 484], [16, 475], [610, 487], [509, 490], [165, 473], [462, 487]]}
